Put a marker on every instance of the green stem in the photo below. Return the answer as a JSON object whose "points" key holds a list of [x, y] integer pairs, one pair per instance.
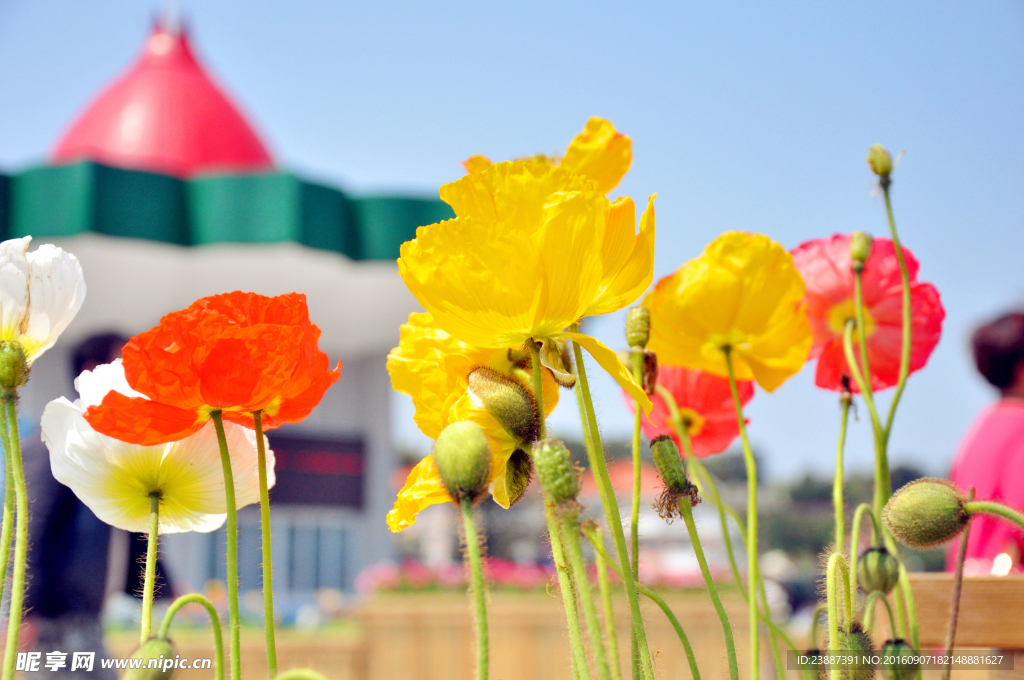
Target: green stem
{"points": [[815, 622], [483, 654], [858, 516], [686, 508], [565, 584], [149, 583], [13, 439], [882, 482], [748, 457], [838, 504], [907, 314], [595, 455], [837, 571], [997, 510], [954, 604], [218, 639], [593, 533], [637, 359], [268, 569], [234, 622], [869, 612], [538, 389], [7, 532], [657, 599], [571, 535]]}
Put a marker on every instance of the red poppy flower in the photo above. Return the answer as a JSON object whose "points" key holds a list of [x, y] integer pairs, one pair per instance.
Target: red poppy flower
{"points": [[705, 404], [236, 352], [826, 268]]}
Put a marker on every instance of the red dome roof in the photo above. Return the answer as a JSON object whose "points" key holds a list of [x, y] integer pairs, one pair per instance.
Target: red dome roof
{"points": [[165, 115]]}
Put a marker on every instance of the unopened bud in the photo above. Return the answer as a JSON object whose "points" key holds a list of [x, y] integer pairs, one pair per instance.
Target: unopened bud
{"points": [[878, 569], [856, 644], [556, 470], [899, 660], [507, 400], [156, 652], [13, 365], [880, 160], [518, 471], [860, 247], [926, 512], [638, 326], [463, 459], [670, 464]]}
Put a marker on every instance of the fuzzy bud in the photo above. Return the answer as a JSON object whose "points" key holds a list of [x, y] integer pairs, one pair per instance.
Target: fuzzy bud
{"points": [[926, 512], [638, 326], [880, 160], [669, 464], [508, 401], [556, 470], [858, 645], [156, 652], [904, 657], [463, 459], [860, 247], [878, 569], [13, 365]]}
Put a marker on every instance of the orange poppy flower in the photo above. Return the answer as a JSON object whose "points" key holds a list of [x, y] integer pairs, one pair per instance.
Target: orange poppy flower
{"points": [[237, 353]]}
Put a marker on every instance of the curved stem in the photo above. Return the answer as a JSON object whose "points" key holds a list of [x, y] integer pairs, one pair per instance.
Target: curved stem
{"points": [[858, 516], [657, 599], [483, 654], [218, 640], [838, 504], [869, 612], [595, 455], [686, 508], [815, 622], [881, 461], [571, 535], [7, 532], [907, 314], [268, 568], [234, 622], [538, 388], [149, 582], [566, 585], [997, 510], [748, 457], [13, 439], [837, 584], [593, 534], [883, 484]]}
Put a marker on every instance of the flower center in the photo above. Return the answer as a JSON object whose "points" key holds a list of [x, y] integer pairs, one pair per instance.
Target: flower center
{"points": [[692, 421], [846, 311]]}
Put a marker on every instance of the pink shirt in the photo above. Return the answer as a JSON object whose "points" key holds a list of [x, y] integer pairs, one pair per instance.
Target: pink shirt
{"points": [[991, 459]]}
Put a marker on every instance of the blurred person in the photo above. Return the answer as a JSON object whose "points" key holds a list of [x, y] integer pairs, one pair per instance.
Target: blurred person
{"points": [[991, 457], [69, 549]]}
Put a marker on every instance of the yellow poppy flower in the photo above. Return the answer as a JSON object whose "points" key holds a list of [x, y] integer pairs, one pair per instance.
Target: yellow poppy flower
{"points": [[435, 369], [600, 152], [744, 293], [532, 250]]}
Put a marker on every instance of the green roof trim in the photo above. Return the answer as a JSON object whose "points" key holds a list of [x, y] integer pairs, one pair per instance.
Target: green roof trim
{"points": [[241, 208]]}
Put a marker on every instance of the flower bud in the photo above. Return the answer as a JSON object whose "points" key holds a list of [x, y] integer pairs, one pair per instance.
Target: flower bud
{"points": [[463, 458], [926, 512], [556, 470], [880, 160], [508, 401], [860, 247], [856, 644], [638, 326], [670, 465], [157, 652], [904, 658], [878, 569], [13, 365]]}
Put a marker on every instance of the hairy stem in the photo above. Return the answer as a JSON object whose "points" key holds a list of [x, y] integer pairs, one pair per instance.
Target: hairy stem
{"points": [[997, 510], [907, 329], [268, 568], [538, 389], [7, 532], [148, 583], [218, 639], [234, 621], [483, 654], [837, 585], [566, 585], [13, 452], [593, 533], [571, 535], [637, 359], [838, 504], [954, 603]]}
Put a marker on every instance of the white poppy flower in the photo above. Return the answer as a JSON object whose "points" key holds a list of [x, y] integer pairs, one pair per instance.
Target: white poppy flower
{"points": [[115, 478], [40, 293]]}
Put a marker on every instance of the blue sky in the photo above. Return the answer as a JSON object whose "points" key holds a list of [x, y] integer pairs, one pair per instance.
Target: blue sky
{"points": [[744, 116]]}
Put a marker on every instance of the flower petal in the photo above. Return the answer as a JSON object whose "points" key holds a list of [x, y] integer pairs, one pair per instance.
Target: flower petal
{"points": [[609, 361], [141, 421], [601, 153], [56, 293], [14, 282], [93, 385], [422, 488], [629, 280]]}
